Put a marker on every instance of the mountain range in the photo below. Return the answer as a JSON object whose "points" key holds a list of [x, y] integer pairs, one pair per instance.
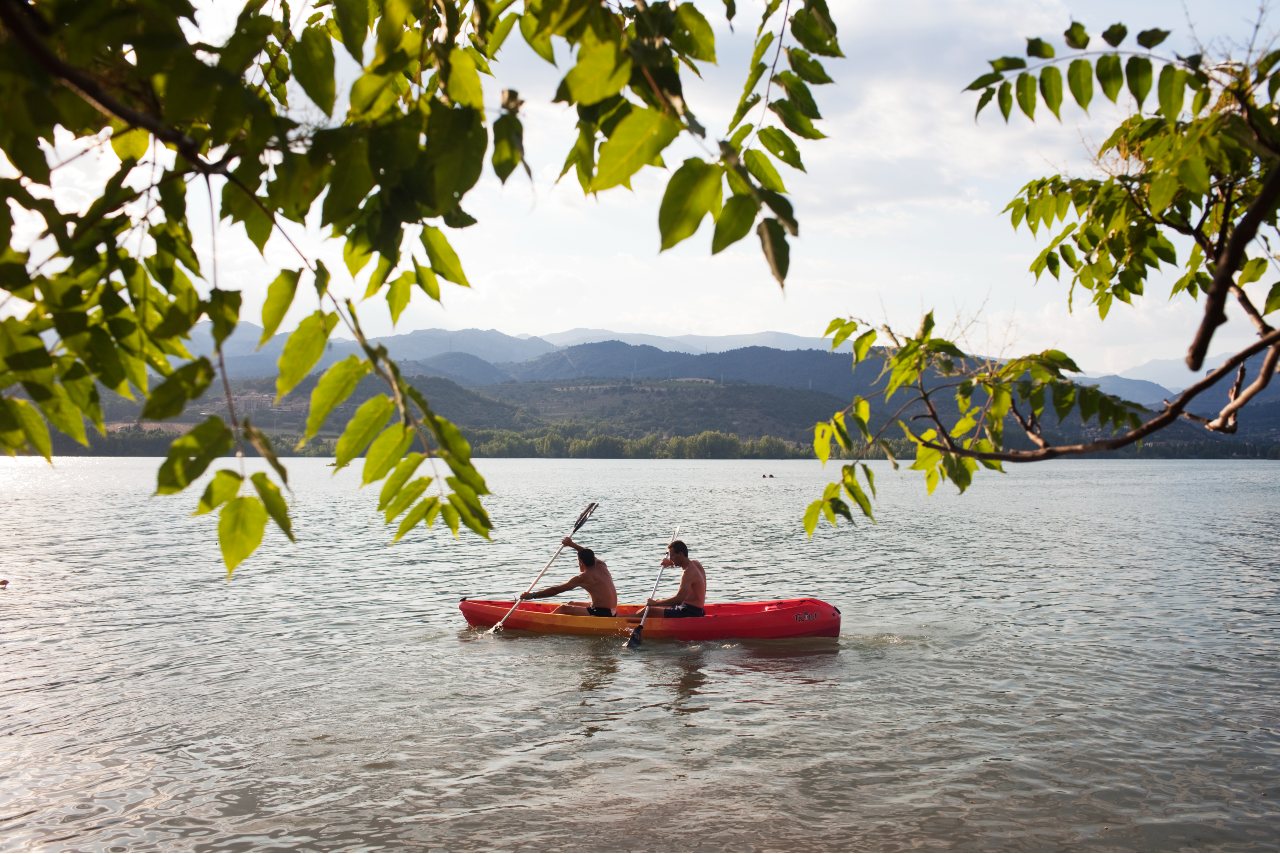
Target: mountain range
{"points": [[547, 378]]}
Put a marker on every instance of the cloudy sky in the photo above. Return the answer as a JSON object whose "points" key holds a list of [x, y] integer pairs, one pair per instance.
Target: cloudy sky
{"points": [[900, 210]]}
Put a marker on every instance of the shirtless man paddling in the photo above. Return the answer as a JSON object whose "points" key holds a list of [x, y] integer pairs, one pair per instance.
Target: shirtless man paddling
{"points": [[593, 577], [690, 599]]}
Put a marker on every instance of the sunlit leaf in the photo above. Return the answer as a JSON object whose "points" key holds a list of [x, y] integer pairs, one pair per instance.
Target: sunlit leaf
{"points": [[274, 502], [734, 222], [387, 450], [444, 261], [303, 350], [692, 193], [224, 486], [241, 525], [363, 427], [280, 295], [635, 142], [312, 61]]}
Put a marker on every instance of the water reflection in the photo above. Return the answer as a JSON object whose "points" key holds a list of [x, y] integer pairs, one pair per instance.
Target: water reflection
{"points": [[599, 668], [690, 682]]}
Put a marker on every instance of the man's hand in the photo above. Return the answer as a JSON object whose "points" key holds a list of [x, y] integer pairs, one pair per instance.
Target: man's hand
{"points": [[526, 596], [666, 562]]}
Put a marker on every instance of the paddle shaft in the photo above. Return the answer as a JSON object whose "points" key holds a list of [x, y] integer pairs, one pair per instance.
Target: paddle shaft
{"points": [[639, 630], [582, 520]]}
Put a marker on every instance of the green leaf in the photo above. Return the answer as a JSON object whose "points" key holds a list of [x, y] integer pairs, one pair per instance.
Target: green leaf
{"points": [[734, 222], [988, 79], [396, 481], [636, 141], [274, 502], [280, 295], [262, 444], [1076, 36], [809, 69], [1273, 299], [763, 170], [692, 192], [224, 486], [795, 121], [1051, 89], [401, 499], [387, 450], [1151, 38], [337, 384], [464, 87], [398, 294], [781, 146], [1004, 97], [20, 423], [429, 506], [303, 349], [353, 23], [1252, 271], [774, 242], [190, 454], [862, 345], [1026, 92], [1115, 34], [815, 31], [692, 34], [312, 62], [812, 515], [1138, 75], [1194, 174], [444, 261], [987, 95], [508, 145], [363, 427], [1080, 81], [427, 281], [130, 144], [1171, 89], [188, 382], [1039, 49], [223, 308], [1110, 78], [240, 528], [798, 94]]}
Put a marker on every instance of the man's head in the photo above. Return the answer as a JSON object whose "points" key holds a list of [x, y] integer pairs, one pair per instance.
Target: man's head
{"points": [[679, 552], [587, 558]]}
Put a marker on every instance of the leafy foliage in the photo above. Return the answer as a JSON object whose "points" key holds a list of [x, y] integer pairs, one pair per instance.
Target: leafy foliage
{"points": [[106, 294], [1201, 168]]}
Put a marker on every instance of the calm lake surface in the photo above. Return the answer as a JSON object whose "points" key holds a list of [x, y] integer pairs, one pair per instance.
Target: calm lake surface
{"points": [[1078, 655]]}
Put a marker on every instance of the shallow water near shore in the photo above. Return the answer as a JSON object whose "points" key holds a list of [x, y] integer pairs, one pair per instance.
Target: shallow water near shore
{"points": [[1075, 655]]}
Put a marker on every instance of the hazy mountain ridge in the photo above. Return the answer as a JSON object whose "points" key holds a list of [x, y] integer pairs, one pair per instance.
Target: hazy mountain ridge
{"points": [[541, 362]]}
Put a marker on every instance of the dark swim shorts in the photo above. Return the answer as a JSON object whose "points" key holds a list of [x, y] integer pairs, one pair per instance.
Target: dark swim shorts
{"points": [[600, 612], [684, 611]]}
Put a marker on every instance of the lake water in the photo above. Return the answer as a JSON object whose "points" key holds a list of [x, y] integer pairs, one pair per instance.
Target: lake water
{"points": [[1077, 655]]}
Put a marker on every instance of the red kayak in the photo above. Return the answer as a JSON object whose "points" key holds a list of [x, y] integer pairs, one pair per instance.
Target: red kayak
{"points": [[777, 618]]}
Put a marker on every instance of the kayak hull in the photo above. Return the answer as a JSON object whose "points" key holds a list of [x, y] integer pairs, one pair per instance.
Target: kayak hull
{"points": [[773, 619]]}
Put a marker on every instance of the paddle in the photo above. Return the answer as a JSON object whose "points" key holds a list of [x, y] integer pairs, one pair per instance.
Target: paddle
{"points": [[582, 520], [637, 633]]}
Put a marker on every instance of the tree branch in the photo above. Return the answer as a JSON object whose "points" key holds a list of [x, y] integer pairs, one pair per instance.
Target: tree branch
{"points": [[1228, 262], [1171, 413], [14, 19]]}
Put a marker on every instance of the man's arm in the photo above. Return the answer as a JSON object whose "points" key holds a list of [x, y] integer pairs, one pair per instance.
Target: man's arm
{"points": [[553, 590], [683, 593]]}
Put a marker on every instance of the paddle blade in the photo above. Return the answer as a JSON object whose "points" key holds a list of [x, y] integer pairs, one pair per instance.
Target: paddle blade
{"points": [[636, 637], [586, 514]]}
